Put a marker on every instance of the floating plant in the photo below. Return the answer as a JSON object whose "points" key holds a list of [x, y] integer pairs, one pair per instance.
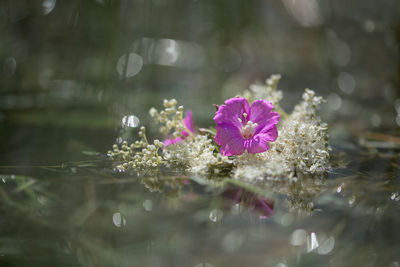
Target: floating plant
{"points": [[254, 141]]}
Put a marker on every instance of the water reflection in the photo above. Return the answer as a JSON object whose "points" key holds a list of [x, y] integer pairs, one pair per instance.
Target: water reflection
{"points": [[9, 66], [369, 25], [130, 121], [129, 65], [395, 196], [118, 219], [204, 264], [148, 205], [340, 52], [232, 241], [306, 12], [334, 101], [208, 214], [169, 185], [346, 82], [376, 120], [216, 215], [312, 242], [48, 6], [298, 237], [326, 246], [169, 52]]}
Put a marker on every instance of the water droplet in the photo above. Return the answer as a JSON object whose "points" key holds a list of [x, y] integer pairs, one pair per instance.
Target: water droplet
{"points": [[395, 196], [352, 201], [9, 66], [298, 237], [148, 205], [369, 26], [167, 52], [48, 6], [42, 200], [326, 246], [236, 209], [119, 169], [338, 189], [341, 53], [397, 105], [232, 241], [204, 264], [129, 65], [130, 121], [80, 257], [307, 13], [376, 120], [287, 219], [216, 215], [118, 219], [334, 101], [312, 242], [394, 264], [346, 82], [398, 119]]}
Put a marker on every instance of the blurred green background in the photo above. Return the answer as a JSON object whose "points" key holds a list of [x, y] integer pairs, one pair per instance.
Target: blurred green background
{"points": [[72, 69]]}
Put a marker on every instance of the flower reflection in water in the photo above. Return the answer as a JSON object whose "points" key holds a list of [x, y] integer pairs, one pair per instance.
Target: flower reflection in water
{"points": [[240, 196]]}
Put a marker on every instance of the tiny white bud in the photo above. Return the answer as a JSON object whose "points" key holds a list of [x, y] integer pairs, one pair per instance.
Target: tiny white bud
{"points": [[153, 112]]}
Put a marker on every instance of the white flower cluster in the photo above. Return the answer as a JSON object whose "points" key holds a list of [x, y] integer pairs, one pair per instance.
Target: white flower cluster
{"points": [[300, 150], [195, 153], [171, 118], [269, 91], [139, 155], [196, 156]]}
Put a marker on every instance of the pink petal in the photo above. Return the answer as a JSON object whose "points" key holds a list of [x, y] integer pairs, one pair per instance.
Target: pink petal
{"points": [[270, 134], [188, 121], [171, 141], [189, 124], [229, 138], [231, 111], [256, 145], [268, 125], [260, 142], [260, 113]]}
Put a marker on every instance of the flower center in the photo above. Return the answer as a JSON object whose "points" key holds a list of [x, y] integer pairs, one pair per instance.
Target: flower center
{"points": [[247, 130]]}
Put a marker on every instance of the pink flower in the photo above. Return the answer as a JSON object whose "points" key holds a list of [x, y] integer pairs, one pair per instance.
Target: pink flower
{"points": [[241, 127], [188, 122]]}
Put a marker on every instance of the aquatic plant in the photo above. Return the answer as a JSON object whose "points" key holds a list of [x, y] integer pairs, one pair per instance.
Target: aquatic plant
{"points": [[248, 144]]}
